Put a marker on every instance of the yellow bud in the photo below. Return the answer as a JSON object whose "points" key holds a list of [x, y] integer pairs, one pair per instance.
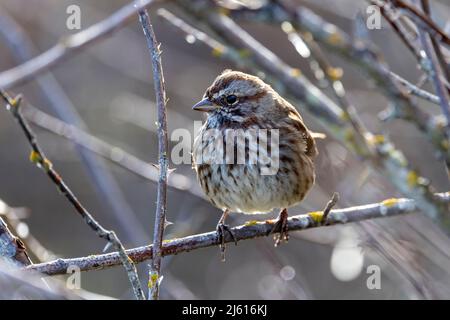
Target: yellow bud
{"points": [[47, 164], [389, 202], [35, 157], [251, 222], [317, 216], [224, 11], [217, 52], [244, 53], [335, 73], [412, 178], [296, 72], [334, 38]]}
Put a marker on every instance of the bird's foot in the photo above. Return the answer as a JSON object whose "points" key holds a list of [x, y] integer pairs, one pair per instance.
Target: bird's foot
{"points": [[221, 229], [281, 227]]}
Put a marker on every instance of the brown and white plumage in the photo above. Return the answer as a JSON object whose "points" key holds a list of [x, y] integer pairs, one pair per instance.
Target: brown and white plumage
{"points": [[242, 187]]}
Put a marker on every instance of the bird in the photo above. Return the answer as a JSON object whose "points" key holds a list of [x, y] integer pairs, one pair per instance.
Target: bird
{"points": [[240, 102]]}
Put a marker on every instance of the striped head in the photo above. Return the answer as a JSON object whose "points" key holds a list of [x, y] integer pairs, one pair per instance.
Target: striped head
{"points": [[235, 97]]}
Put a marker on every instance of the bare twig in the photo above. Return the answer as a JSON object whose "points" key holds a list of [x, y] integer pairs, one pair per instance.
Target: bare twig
{"points": [[250, 230], [38, 157], [423, 20], [436, 73], [398, 28], [161, 203], [437, 48], [12, 248], [415, 90], [71, 44]]}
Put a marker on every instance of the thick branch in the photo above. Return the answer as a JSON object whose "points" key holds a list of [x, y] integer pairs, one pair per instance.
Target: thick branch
{"points": [[250, 230]]}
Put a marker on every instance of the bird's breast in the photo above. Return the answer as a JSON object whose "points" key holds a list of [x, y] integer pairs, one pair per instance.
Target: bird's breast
{"points": [[232, 180]]}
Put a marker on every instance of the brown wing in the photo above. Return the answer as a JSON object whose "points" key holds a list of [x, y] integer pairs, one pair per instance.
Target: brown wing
{"points": [[295, 120]]}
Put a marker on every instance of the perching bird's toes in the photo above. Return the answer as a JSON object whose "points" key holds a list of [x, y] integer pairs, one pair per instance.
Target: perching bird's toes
{"points": [[221, 229], [280, 228]]}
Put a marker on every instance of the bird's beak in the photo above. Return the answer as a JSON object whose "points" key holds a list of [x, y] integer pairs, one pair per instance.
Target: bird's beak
{"points": [[205, 105]]}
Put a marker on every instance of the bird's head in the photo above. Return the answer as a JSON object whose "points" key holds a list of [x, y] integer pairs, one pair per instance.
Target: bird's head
{"points": [[235, 96]]}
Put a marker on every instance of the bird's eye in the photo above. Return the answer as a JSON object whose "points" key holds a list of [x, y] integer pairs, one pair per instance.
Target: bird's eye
{"points": [[231, 99]]}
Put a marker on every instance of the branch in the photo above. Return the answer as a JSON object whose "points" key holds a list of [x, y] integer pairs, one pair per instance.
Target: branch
{"points": [[12, 248], [38, 157], [423, 20], [429, 62], [415, 90], [435, 72], [437, 48], [71, 44], [161, 203], [250, 230], [397, 26]]}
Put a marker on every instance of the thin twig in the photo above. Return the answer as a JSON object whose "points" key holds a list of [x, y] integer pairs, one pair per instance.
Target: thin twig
{"points": [[71, 44], [398, 28], [415, 90], [423, 20], [250, 230], [161, 203], [38, 157], [436, 73], [437, 48]]}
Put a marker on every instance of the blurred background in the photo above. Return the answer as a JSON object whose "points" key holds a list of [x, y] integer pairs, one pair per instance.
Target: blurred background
{"points": [[110, 86]]}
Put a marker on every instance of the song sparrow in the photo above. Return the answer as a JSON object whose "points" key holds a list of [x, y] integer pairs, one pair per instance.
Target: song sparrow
{"points": [[235, 101]]}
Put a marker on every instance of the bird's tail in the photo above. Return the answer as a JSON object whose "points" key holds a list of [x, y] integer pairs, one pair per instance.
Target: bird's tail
{"points": [[318, 135]]}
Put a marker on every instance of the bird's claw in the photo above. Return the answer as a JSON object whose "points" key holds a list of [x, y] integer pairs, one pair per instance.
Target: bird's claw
{"points": [[280, 228], [221, 229]]}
